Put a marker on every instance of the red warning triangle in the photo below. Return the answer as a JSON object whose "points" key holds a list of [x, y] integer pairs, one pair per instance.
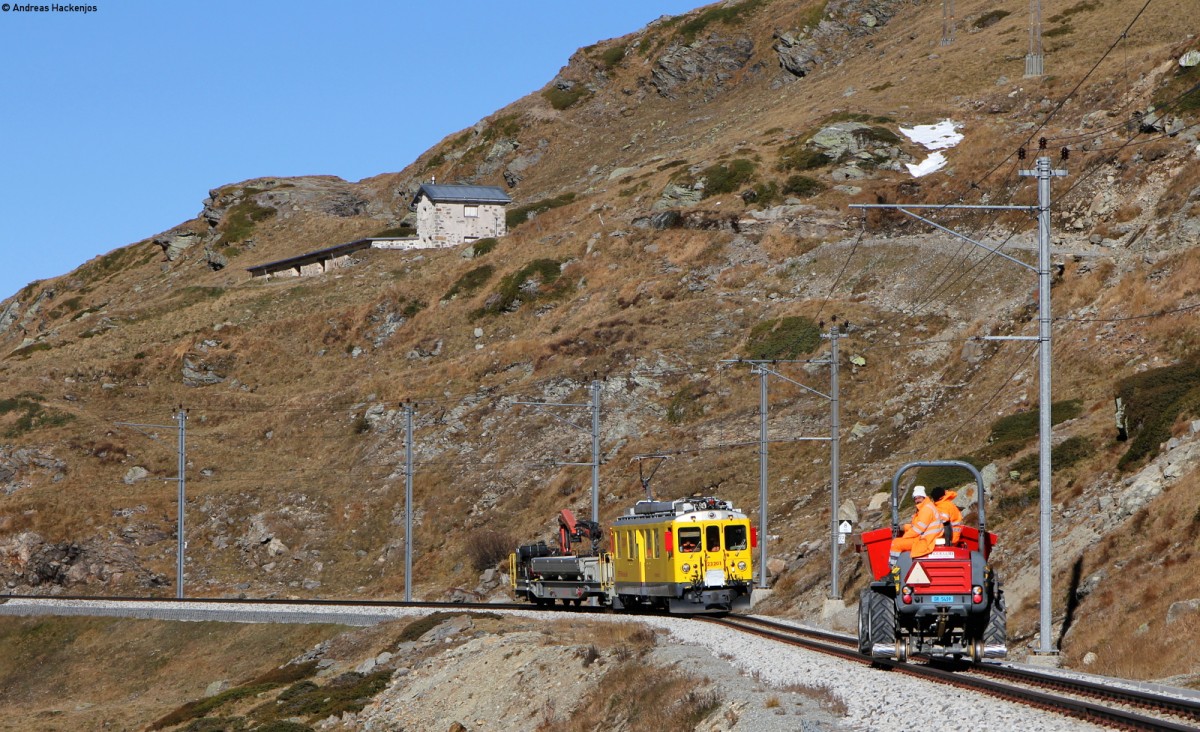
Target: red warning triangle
{"points": [[917, 576]]}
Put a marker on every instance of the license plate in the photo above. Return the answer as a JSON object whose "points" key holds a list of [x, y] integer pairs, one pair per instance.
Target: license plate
{"points": [[943, 598]]}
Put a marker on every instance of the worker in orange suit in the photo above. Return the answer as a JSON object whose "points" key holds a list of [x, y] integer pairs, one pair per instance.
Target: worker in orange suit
{"points": [[943, 501], [920, 536]]}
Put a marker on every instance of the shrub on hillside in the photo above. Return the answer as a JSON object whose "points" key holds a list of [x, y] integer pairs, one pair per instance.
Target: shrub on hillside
{"points": [[470, 282], [1153, 400], [799, 156], [722, 178], [990, 18], [783, 338], [483, 246], [727, 14], [30, 414], [534, 280], [610, 57], [242, 218], [488, 548], [1010, 434], [1066, 454], [561, 99], [803, 186]]}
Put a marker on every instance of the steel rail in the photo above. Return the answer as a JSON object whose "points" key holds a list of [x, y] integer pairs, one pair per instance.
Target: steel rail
{"points": [[1067, 706]]}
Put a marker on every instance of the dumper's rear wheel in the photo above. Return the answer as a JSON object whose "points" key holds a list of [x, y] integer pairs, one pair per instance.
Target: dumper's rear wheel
{"points": [[864, 622], [880, 619], [995, 635]]}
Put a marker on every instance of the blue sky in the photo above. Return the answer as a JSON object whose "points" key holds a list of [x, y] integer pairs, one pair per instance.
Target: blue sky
{"points": [[115, 124]]}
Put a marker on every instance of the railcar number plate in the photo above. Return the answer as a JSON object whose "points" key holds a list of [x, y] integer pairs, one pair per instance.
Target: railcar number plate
{"points": [[943, 598]]}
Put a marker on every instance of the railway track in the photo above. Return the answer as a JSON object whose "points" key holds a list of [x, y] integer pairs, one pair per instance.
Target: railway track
{"points": [[1119, 707]]}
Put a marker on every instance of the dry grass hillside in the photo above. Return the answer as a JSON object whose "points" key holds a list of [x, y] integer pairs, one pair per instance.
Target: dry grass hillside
{"points": [[674, 206]]}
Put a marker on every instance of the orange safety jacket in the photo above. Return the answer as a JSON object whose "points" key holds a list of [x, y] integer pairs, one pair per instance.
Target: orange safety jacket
{"points": [[949, 512], [926, 528]]}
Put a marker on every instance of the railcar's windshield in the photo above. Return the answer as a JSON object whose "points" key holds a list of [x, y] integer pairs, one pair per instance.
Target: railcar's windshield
{"points": [[735, 538], [713, 538], [689, 539]]}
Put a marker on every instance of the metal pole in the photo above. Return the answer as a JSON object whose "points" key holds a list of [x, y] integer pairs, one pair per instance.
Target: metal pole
{"points": [[181, 417], [408, 500], [1044, 174], [595, 451], [762, 477], [834, 468]]}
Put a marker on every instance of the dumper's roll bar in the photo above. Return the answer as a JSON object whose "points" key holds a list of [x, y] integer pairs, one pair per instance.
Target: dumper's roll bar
{"points": [[936, 464]]}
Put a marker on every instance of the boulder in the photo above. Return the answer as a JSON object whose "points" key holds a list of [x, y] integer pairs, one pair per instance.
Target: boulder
{"points": [[135, 474], [796, 56], [1183, 610], [676, 196]]}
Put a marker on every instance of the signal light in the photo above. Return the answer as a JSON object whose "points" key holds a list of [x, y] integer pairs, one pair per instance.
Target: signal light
{"points": [[977, 594], [741, 566], [686, 567]]}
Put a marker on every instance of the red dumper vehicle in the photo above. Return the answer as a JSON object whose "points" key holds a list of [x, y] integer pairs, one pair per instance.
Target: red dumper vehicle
{"points": [[947, 603]]}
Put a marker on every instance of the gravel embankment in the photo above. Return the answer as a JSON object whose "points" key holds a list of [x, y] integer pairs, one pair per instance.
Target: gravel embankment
{"points": [[874, 699]]}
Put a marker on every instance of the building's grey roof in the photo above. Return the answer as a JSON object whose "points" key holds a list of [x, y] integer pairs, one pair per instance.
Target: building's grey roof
{"points": [[463, 194]]}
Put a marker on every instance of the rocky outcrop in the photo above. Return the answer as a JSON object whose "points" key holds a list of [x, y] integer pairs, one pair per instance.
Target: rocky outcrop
{"points": [[18, 464], [176, 241], [709, 63], [29, 564], [9, 314]]}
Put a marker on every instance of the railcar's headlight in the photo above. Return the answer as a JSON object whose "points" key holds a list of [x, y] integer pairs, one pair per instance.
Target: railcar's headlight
{"points": [[741, 566], [686, 567]]}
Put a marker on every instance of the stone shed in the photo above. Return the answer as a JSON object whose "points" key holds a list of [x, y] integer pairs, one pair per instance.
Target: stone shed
{"points": [[449, 215]]}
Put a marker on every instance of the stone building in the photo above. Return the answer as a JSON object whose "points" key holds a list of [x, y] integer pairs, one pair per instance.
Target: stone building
{"points": [[448, 215]]}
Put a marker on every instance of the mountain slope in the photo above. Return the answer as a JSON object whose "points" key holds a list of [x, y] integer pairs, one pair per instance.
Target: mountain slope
{"points": [[684, 195]]}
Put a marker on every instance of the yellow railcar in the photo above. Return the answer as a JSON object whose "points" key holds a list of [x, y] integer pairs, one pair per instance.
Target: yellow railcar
{"points": [[692, 555]]}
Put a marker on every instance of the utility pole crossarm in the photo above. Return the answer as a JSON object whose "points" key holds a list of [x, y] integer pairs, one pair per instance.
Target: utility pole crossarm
{"points": [[793, 382]]}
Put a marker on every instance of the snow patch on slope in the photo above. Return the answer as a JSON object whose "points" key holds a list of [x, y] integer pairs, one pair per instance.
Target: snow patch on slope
{"points": [[938, 136]]}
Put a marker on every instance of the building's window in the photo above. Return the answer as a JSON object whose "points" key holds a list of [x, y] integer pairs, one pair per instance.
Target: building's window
{"points": [[471, 212]]}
